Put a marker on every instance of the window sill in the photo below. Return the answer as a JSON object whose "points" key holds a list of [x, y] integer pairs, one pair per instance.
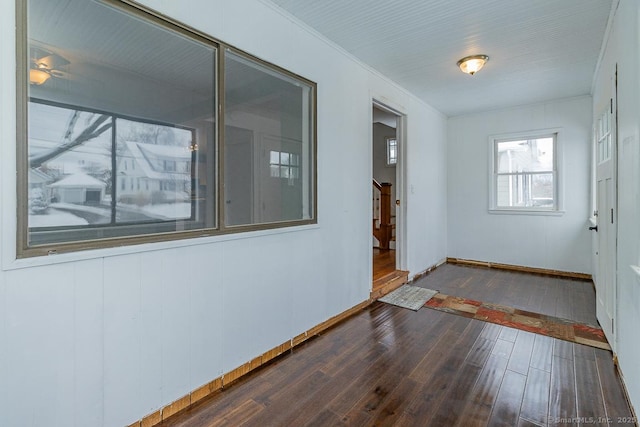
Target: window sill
{"points": [[36, 261], [535, 212]]}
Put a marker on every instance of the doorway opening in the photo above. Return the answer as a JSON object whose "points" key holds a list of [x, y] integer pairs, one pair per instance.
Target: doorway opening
{"points": [[387, 189]]}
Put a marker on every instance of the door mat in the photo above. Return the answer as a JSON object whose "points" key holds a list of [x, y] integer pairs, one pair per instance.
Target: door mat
{"points": [[537, 323], [408, 296]]}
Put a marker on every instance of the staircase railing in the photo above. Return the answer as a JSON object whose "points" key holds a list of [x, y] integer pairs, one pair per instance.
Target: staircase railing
{"points": [[382, 227]]}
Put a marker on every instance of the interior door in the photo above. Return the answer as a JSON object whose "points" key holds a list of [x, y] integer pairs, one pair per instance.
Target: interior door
{"points": [[606, 188], [238, 154]]}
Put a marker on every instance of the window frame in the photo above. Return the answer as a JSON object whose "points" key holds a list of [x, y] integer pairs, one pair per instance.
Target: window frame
{"points": [[131, 8], [558, 193], [391, 161], [112, 227], [222, 125]]}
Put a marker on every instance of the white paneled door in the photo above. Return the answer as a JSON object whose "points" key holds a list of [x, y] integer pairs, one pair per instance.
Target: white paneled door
{"points": [[605, 277]]}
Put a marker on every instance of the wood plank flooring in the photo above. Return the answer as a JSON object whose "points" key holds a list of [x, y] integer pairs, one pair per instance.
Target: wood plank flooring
{"points": [[390, 366], [384, 262]]}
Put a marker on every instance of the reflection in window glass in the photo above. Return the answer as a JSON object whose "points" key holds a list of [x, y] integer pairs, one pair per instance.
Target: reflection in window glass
{"points": [[69, 167], [161, 156], [72, 180], [119, 138], [268, 146], [121, 125]]}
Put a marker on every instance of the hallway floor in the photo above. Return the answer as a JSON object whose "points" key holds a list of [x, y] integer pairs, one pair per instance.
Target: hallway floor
{"points": [[384, 262], [392, 366]]}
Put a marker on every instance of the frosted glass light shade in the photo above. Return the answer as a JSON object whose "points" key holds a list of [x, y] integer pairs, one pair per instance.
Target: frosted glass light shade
{"points": [[472, 64], [38, 77]]}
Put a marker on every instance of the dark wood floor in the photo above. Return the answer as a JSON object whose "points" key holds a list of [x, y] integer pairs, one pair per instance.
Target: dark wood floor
{"points": [[392, 366], [566, 298]]}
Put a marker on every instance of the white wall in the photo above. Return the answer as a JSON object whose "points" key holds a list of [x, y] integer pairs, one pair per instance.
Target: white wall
{"points": [[622, 48], [550, 242], [108, 336], [425, 190]]}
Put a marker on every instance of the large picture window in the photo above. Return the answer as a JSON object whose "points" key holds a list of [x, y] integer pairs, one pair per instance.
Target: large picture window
{"points": [[120, 139], [525, 173]]}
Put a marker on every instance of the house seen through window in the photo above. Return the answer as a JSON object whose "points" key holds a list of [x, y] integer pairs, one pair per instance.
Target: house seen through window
{"points": [[525, 173]]}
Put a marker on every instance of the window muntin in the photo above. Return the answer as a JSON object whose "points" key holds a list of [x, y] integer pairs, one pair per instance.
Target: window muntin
{"points": [[83, 186], [285, 165], [392, 151], [525, 173], [133, 115], [268, 164]]}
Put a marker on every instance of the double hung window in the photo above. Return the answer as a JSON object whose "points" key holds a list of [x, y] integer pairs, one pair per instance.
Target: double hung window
{"points": [[525, 174]]}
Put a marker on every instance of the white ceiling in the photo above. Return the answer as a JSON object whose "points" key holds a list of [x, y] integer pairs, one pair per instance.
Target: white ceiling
{"points": [[539, 49]]}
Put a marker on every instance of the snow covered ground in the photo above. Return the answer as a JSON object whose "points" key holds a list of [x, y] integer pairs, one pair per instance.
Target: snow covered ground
{"points": [[55, 218], [167, 211], [58, 218]]}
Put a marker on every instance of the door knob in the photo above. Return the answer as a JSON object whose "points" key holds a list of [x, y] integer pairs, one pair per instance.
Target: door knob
{"points": [[594, 228]]}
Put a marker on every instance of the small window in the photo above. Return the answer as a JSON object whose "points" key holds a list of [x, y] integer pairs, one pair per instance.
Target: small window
{"points": [[525, 173], [392, 151]]}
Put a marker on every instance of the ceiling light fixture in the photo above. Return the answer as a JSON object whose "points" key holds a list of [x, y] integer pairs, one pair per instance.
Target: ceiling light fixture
{"points": [[38, 76], [472, 64], [45, 65]]}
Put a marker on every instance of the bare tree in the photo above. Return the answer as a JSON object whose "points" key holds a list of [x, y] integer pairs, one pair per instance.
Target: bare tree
{"points": [[94, 130]]}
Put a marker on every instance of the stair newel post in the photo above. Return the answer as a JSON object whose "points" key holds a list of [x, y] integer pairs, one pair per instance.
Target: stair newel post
{"points": [[385, 215]]}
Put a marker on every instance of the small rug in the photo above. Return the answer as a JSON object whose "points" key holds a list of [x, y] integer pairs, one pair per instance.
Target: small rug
{"points": [[555, 327], [408, 296]]}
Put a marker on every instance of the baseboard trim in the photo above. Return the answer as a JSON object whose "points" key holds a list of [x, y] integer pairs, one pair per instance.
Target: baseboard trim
{"points": [[423, 273], [234, 375], [534, 270], [624, 388]]}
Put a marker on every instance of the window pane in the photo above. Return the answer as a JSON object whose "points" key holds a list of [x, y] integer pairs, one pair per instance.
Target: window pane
{"points": [[531, 155], [121, 124], [525, 190], [69, 169], [284, 158], [271, 114], [161, 157], [275, 157], [392, 151]]}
